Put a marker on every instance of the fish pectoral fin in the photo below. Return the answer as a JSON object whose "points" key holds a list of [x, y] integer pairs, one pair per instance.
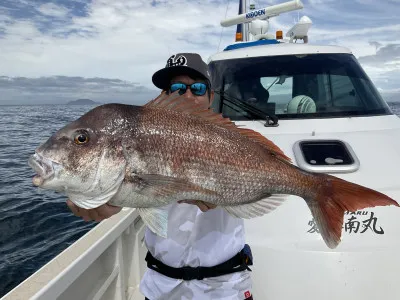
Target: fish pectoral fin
{"points": [[159, 185], [156, 218], [256, 209]]}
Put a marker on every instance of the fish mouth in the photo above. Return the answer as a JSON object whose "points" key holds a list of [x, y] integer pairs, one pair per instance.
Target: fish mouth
{"points": [[45, 168]]}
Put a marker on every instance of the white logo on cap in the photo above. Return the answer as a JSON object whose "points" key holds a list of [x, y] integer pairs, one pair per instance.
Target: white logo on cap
{"points": [[174, 61]]}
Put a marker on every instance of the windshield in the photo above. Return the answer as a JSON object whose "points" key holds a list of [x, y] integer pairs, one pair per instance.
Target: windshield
{"points": [[295, 86]]}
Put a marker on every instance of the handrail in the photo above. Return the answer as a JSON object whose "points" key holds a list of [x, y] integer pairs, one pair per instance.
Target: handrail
{"points": [[102, 245]]}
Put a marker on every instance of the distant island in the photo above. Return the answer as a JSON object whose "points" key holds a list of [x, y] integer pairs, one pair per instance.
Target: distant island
{"points": [[82, 102]]}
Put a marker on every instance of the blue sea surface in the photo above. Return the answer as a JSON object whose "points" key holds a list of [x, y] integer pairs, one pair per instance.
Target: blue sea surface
{"points": [[35, 225]]}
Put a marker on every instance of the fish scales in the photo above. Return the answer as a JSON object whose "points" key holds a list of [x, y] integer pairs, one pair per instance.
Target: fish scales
{"points": [[210, 156]]}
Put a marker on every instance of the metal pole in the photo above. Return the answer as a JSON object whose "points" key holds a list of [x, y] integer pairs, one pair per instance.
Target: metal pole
{"points": [[245, 25]]}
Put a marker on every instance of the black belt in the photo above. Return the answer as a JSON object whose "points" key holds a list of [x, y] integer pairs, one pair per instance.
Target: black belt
{"points": [[238, 263]]}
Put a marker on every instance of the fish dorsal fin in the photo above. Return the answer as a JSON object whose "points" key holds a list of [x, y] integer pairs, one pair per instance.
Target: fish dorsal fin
{"points": [[176, 102]]}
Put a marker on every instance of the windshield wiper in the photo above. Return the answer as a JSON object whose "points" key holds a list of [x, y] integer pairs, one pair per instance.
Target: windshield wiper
{"points": [[271, 119]]}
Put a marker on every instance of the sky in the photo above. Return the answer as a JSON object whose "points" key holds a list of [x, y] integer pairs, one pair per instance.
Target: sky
{"points": [[107, 51]]}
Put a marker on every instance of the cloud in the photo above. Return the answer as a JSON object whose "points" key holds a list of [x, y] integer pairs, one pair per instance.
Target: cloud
{"points": [[53, 10], [131, 39], [384, 67], [387, 55], [124, 39]]}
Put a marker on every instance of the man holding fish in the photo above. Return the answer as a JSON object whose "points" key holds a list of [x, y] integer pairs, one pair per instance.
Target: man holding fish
{"points": [[173, 150], [200, 235]]}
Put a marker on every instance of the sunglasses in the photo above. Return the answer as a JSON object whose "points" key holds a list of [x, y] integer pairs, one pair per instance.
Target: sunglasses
{"points": [[197, 88]]}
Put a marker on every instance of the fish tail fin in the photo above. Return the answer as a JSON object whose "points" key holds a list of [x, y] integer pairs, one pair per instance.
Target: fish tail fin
{"points": [[334, 197]]}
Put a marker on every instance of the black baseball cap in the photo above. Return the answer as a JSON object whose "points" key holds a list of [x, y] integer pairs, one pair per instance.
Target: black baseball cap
{"points": [[181, 63]]}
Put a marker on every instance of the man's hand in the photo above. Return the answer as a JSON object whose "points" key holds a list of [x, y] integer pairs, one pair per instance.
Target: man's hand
{"points": [[96, 214], [204, 206]]}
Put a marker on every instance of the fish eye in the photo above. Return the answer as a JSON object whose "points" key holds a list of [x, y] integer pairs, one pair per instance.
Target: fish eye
{"points": [[81, 138]]}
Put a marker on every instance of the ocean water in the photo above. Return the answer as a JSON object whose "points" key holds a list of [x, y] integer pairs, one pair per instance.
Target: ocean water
{"points": [[35, 225]]}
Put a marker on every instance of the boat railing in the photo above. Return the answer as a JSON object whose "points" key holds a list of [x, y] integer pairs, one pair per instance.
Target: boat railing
{"points": [[105, 263]]}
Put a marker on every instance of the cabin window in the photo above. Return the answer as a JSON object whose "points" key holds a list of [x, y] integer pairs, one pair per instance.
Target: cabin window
{"points": [[295, 86]]}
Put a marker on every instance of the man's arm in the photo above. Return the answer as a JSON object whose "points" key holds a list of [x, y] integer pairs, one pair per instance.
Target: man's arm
{"points": [[204, 206], [96, 214], [105, 211]]}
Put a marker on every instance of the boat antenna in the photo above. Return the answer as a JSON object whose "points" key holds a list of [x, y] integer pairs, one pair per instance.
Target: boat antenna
{"points": [[244, 17], [240, 27], [222, 29]]}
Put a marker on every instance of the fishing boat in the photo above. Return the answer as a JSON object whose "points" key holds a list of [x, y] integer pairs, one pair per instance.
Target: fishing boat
{"points": [[320, 107]]}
